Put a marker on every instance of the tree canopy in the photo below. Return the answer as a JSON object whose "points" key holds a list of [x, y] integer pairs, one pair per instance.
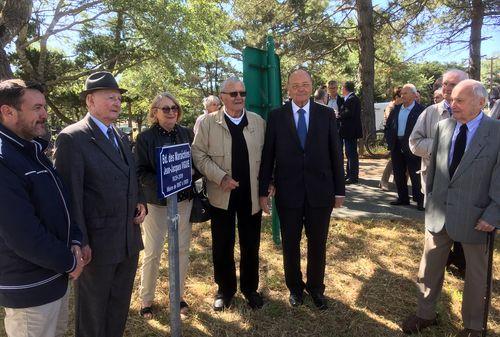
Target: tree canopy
{"points": [[187, 47]]}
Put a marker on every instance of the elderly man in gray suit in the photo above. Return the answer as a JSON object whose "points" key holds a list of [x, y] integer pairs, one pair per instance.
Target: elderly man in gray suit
{"points": [[97, 165], [463, 204], [421, 139]]}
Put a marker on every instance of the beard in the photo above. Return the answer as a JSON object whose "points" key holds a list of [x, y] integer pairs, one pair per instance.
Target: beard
{"points": [[31, 130]]}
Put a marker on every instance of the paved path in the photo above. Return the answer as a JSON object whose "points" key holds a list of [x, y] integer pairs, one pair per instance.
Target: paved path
{"points": [[367, 201]]}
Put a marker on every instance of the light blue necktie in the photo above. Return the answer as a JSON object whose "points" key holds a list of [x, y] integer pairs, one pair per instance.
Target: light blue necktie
{"points": [[302, 127]]}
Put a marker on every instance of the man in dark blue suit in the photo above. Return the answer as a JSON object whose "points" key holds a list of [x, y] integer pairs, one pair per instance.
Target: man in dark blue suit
{"points": [[398, 128], [350, 131], [301, 162]]}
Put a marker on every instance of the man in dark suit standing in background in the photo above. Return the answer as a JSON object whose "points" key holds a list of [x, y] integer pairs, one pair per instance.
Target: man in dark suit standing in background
{"points": [[398, 128], [350, 130], [97, 165], [302, 151]]}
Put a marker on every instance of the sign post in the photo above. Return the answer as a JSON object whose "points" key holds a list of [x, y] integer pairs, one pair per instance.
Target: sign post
{"points": [[173, 175], [262, 78]]}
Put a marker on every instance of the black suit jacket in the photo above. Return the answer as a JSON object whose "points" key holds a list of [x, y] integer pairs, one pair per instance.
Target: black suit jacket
{"points": [[315, 173], [391, 126], [350, 118], [104, 189]]}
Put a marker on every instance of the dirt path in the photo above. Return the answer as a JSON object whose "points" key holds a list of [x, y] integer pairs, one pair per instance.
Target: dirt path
{"points": [[367, 201]]}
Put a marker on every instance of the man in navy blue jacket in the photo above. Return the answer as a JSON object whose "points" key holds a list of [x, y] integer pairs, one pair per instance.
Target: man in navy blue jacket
{"points": [[39, 244]]}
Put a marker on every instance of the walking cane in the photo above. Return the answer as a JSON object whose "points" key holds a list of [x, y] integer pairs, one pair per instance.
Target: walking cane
{"points": [[491, 246]]}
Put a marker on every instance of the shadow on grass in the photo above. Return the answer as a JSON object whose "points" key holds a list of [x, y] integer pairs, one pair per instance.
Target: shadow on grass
{"points": [[276, 318], [394, 298]]}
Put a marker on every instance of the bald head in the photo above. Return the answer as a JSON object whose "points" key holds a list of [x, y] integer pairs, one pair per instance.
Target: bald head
{"points": [[467, 100]]}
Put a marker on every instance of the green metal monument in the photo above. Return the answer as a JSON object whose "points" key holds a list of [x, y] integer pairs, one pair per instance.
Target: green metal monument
{"points": [[262, 78]]}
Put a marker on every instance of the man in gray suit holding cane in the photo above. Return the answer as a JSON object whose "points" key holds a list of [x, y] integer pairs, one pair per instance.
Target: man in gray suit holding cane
{"points": [[463, 204]]}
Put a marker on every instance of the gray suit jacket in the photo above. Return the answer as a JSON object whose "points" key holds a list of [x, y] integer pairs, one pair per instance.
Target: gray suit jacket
{"points": [[103, 188], [474, 191]]}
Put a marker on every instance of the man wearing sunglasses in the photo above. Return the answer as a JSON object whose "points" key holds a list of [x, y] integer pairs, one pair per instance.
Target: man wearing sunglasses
{"points": [[227, 151], [301, 160]]}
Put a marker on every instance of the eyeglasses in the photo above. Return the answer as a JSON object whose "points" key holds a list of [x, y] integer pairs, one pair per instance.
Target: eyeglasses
{"points": [[167, 109], [234, 94]]}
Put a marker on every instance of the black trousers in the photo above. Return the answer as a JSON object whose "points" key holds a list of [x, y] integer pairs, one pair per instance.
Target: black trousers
{"points": [[223, 240], [316, 221], [103, 298], [351, 152], [401, 162]]}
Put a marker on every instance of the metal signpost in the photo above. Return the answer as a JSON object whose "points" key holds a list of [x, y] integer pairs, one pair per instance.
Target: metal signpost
{"points": [[173, 175], [262, 78]]}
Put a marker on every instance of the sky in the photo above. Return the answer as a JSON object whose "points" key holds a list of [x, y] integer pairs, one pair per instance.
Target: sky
{"points": [[489, 47]]}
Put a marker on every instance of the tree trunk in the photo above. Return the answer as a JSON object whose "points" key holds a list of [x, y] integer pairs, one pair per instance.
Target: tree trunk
{"points": [[130, 116], [118, 29], [477, 16], [14, 14], [5, 70], [364, 10]]}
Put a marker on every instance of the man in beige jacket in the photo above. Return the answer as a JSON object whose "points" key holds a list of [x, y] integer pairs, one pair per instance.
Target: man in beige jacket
{"points": [[421, 140], [227, 151], [423, 132]]}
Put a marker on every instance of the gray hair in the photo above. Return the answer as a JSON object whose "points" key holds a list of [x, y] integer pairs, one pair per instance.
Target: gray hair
{"points": [[320, 94], [154, 105], [231, 79], [462, 75], [479, 90], [412, 87], [210, 99]]}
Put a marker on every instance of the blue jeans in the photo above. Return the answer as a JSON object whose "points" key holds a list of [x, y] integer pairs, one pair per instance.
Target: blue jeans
{"points": [[351, 152]]}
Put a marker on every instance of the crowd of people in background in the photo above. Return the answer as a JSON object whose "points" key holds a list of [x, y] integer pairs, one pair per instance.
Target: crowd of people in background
{"points": [[85, 214]]}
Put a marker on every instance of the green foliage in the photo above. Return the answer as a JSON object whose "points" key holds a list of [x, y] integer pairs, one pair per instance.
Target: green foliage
{"points": [[187, 47]]}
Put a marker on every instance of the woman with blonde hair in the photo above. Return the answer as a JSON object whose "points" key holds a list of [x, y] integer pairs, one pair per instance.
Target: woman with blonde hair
{"points": [[164, 116]]}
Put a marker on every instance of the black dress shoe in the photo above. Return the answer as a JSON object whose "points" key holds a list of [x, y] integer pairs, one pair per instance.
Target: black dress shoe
{"points": [[296, 300], [399, 202], [420, 207], [254, 300], [319, 301], [221, 302], [351, 181]]}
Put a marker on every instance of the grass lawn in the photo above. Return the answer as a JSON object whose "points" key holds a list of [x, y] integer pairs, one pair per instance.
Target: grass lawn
{"points": [[371, 268]]}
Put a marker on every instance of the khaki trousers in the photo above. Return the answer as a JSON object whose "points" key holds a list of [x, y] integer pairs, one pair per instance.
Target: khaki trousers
{"points": [[431, 276], [155, 228], [46, 320]]}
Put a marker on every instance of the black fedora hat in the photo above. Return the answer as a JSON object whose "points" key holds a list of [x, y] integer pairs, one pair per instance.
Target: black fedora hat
{"points": [[100, 80]]}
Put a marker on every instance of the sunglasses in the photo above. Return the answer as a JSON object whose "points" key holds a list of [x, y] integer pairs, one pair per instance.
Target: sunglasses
{"points": [[167, 109], [234, 94]]}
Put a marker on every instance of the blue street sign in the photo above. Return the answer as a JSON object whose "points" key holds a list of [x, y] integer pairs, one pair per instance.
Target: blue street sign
{"points": [[173, 169]]}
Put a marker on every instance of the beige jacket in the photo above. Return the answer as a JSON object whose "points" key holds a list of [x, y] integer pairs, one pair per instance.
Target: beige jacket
{"points": [[422, 136], [211, 151]]}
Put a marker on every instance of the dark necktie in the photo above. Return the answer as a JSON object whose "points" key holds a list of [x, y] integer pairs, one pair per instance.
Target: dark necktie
{"points": [[302, 128], [111, 137], [459, 150]]}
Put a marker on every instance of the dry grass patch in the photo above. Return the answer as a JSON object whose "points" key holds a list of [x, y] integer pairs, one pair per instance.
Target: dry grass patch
{"points": [[371, 268]]}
